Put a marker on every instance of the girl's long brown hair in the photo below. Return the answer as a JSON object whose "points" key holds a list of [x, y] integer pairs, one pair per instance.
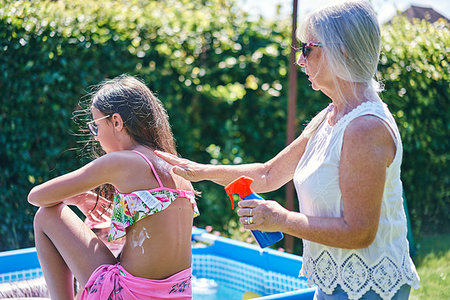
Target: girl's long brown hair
{"points": [[143, 114]]}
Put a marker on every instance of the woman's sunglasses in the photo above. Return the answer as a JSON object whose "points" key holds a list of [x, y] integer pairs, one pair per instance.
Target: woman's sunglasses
{"points": [[93, 127], [306, 48]]}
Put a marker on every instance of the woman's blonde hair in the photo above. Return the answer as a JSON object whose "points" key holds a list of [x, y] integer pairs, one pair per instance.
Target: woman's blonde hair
{"points": [[350, 36]]}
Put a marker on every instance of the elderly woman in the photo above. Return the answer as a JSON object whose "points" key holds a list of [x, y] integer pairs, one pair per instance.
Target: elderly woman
{"points": [[345, 166]]}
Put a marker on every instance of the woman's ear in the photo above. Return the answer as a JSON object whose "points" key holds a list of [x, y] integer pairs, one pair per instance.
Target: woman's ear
{"points": [[117, 122]]}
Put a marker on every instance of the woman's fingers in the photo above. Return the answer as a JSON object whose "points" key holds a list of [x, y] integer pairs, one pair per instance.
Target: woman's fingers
{"points": [[183, 172], [185, 168], [170, 158], [250, 203], [264, 215], [246, 221], [245, 212]]}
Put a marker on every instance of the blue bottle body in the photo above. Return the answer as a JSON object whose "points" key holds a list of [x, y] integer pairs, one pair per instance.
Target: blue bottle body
{"points": [[264, 239]]}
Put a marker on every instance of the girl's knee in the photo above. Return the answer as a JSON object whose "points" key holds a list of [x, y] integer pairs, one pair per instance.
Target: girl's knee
{"points": [[47, 214]]}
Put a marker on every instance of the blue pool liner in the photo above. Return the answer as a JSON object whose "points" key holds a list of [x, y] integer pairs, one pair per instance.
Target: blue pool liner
{"points": [[249, 268], [242, 266]]}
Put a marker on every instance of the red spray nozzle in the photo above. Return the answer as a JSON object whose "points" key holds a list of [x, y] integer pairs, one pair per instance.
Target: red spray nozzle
{"points": [[240, 186]]}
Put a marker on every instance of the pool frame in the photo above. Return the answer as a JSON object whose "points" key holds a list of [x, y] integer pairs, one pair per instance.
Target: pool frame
{"points": [[267, 259], [24, 260]]}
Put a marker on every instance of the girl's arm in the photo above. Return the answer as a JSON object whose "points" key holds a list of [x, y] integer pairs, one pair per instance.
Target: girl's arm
{"points": [[95, 207], [268, 176], [69, 186], [367, 151]]}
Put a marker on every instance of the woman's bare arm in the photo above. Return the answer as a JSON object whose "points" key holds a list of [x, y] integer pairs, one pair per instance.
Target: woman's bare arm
{"points": [[367, 151], [268, 176]]}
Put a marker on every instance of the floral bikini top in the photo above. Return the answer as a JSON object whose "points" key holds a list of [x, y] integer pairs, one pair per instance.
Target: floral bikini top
{"points": [[132, 207]]}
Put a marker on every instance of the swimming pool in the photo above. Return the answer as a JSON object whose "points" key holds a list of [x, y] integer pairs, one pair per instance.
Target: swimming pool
{"points": [[223, 269]]}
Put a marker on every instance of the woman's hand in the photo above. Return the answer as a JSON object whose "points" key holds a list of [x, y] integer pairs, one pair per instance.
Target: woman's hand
{"points": [[95, 211], [185, 168], [264, 215]]}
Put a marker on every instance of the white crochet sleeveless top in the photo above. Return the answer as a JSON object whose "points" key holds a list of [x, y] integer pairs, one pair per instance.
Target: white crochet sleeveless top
{"points": [[385, 265]]}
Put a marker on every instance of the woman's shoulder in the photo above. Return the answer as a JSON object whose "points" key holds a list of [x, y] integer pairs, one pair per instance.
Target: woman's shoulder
{"points": [[369, 134], [365, 126], [368, 117]]}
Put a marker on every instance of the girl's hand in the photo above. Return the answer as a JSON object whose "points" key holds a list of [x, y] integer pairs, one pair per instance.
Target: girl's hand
{"points": [[266, 215], [95, 212], [185, 168]]}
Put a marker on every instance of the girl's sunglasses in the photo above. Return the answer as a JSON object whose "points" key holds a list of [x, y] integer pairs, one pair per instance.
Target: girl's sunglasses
{"points": [[93, 127], [306, 48]]}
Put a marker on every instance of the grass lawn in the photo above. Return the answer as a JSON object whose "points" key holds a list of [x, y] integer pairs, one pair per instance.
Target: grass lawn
{"points": [[432, 261]]}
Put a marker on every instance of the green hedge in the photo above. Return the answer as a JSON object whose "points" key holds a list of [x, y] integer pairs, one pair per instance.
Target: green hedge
{"points": [[415, 67], [222, 78]]}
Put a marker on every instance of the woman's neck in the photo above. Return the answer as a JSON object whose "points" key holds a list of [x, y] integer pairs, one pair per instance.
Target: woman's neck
{"points": [[350, 96]]}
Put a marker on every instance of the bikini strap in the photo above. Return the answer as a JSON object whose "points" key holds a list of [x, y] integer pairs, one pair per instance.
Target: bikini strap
{"points": [[151, 165]]}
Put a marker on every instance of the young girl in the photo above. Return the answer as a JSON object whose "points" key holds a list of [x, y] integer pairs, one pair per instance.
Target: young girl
{"points": [[152, 209]]}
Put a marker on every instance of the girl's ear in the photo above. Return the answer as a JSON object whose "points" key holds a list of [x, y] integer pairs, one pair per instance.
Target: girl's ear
{"points": [[117, 122]]}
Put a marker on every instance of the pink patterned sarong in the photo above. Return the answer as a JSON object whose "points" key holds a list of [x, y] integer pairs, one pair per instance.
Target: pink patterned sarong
{"points": [[115, 283]]}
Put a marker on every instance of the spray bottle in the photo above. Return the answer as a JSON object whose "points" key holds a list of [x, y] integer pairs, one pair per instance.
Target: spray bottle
{"points": [[241, 186]]}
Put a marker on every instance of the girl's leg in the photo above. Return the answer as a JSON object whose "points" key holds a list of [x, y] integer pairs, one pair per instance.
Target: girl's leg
{"points": [[66, 246]]}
